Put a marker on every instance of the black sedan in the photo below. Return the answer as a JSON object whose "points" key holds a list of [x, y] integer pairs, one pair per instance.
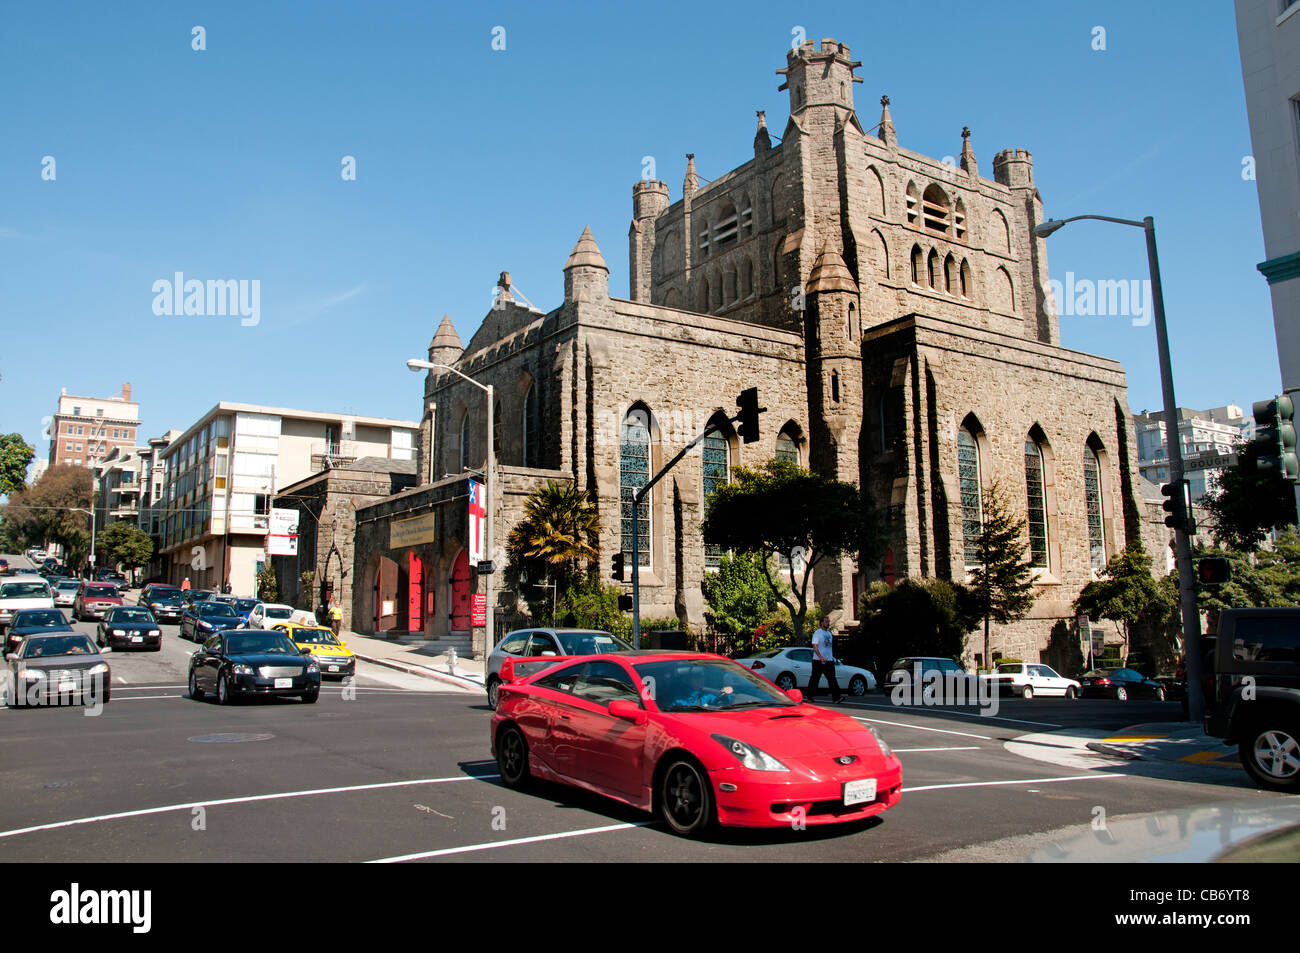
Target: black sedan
{"points": [[200, 620], [34, 622], [1120, 684], [164, 602], [129, 627], [252, 662], [56, 670]]}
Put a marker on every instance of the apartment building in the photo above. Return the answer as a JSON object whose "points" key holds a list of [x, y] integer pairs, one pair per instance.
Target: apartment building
{"points": [[85, 430], [1209, 440]]}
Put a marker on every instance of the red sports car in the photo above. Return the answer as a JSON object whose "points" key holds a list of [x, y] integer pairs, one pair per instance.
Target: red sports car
{"points": [[695, 738]]}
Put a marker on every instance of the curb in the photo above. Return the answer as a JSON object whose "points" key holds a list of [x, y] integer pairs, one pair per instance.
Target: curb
{"points": [[455, 680]]}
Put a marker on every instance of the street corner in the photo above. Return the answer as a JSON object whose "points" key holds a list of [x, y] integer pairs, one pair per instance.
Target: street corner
{"points": [[1171, 751]]}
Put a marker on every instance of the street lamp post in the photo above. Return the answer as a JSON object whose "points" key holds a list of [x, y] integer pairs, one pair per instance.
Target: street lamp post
{"points": [[489, 491], [1182, 542]]}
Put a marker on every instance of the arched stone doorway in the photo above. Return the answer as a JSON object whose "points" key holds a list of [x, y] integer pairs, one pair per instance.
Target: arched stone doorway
{"points": [[385, 612], [460, 593]]}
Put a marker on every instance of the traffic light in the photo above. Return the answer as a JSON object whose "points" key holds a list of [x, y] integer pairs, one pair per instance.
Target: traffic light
{"points": [[748, 418], [1179, 506], [618, 567], [1275, 428], [1213, 571], [625, 602]]}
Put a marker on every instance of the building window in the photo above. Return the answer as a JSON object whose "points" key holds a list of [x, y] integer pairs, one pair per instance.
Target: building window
{"points": [[835, 386], [1037, 504], [786, 448], [76, 411], [532, 450], [716, 452], [464, 441], [935, 209], [634, 473], [959, 219], [1092, 492], [913, 200], [704, 241], [917, 264], [496, 431], [972, 506]]}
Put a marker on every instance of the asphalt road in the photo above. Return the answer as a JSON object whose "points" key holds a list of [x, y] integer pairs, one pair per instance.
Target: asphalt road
{"points": [[397, 767]]}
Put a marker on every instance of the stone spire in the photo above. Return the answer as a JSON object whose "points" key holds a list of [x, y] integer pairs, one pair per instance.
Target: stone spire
{"points": [[886, 129], [692, 182], [968, 162], [762, 141], [586, 276], [445, 348], [829, 273]]}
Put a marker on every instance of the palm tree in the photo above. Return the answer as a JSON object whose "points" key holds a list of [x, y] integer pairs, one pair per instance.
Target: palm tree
{"points": [[559, 530]]}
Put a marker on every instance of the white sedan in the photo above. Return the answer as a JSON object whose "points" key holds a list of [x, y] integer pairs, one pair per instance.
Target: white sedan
{"points": [[791, 667], [266, 614], [1028, 679]]}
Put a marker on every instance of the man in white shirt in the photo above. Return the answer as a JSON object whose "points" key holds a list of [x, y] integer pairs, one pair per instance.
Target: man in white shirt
{"points": [[824, 662]]}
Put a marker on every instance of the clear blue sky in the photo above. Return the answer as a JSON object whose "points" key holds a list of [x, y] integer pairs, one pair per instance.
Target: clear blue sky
{"points": [[226, 164]]}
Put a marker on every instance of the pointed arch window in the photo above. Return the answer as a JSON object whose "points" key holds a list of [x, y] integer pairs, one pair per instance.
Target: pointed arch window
{"points": [[1092, 495], [786, 448], [1037, 500], [464, 441], [972, 506], [717, 458], [532, 423], [918, 262], [634, 473]]}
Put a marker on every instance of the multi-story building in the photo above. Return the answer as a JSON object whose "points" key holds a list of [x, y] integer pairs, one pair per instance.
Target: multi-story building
{"points": [[85, 430], [118, 479], [1268, 35], [1209, 440], [221, 473]]}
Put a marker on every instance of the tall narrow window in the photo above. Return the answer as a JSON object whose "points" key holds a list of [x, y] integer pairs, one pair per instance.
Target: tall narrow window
{"points": [[464, 441], [1092, 492], [972, 510], [496, 431], [634, 473], [532, 450], [1037, 504], [917, 264], [716, 452]]}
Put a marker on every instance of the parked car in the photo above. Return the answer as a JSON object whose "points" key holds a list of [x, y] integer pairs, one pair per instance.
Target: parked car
{"points": [[1120, 684], [246, 662], [266, 614], [94, 599], [791, 667], [23, 592], [4, 567], [698, 739], [331, 653], [1028, 679], [47, 669], [129, 627], [1255, 703], [201, 619], [557, 643], [937, 678], [34, 622]]}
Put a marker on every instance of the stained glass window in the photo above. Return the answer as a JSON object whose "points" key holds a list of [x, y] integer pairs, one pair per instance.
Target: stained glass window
{"points": [[1092, 491], [968, 475], [715, 472], [634, 473], [786, 449], [1037, 504]]}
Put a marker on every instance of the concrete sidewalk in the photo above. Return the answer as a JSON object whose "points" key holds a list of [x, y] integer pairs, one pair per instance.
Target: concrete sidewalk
{"points": [[426, 659]]}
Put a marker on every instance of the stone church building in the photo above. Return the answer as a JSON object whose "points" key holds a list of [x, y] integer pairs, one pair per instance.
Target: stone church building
{"points": [[891, 311]]}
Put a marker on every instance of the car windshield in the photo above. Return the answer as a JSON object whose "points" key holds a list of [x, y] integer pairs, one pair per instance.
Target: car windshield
{"points": [[130, 615], [70, 585], [245, 605], [591, 643], [315, 637], [40, 617], [164, 592], [210, 610], [264, 643], [1009, 669], [277, 612], [48, 646], [24, 590], [708, 685], [108, 592]]}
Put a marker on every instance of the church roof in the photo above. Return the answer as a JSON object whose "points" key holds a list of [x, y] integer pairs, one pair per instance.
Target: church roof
{"points": [[446, 336], [586, 252], [829, 273]]}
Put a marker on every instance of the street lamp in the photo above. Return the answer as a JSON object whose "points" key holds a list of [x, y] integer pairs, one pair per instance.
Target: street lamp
{"points": [[1182, 543], [488, 490]]}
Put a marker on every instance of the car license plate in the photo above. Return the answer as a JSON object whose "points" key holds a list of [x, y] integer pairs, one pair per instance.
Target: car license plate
{"points": [[334, 668], [859, 792], [137, 638], [67, 686], [284, 683]]}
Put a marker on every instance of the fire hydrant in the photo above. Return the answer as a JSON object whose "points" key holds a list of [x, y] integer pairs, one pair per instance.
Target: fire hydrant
{"points": [[451, 660]]}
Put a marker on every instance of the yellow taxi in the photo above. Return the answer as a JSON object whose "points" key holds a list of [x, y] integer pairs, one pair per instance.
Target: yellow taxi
{"points": [[331, 654]]}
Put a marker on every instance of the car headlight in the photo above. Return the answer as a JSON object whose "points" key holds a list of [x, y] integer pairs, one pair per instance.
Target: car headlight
{"points": [[28, 673], [153, 632], [99, 669], [118, 632], [750, 756], [241, 669], [884, 746], [313, 668], [205, 625]]}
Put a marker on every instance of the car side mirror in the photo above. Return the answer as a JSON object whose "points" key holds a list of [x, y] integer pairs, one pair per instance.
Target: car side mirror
{"points": [[552, 654], [304, 651], [795, 695], [626, 710]]}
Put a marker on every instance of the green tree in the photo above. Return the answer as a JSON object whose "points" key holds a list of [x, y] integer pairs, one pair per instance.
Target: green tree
{"points": [[783, 510], [1250, 502], [268, 587], [559, 531], [737, 595], [15, 457], [914, 617], [1001, 586], [47, 511], [1264, 578], [125, 545], [1126, 594]]}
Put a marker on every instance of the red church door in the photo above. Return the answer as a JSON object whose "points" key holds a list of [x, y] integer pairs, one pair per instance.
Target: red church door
{"points": [[460, 593], [415, 595]]}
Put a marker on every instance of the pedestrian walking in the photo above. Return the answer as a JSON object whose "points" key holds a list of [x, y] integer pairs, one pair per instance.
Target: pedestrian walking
{"points": [[336, 616], [185, 586], [824, 662]]}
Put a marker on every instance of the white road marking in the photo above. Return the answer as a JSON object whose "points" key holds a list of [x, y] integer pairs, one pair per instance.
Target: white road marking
{"points": [[509, 843], [986, 784], [910, 750], [242, 800], [954, 711], [903, 724], [140, 688], [141, 698]]}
